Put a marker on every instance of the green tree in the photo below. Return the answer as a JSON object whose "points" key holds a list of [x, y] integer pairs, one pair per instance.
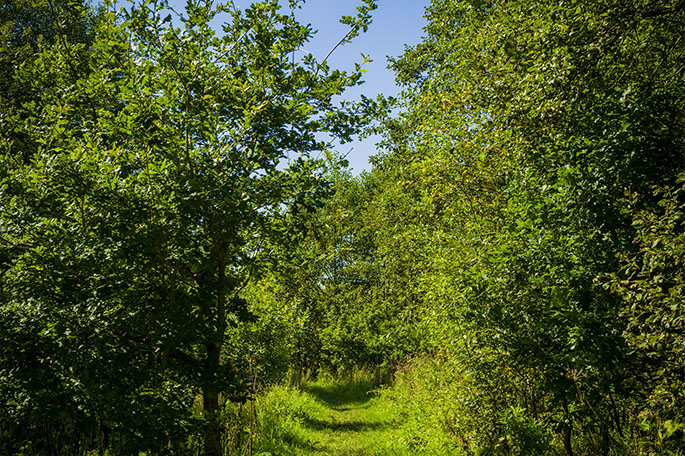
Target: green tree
{"points": [[25, 26], [525, 124], [160, 176], [349, 281]]}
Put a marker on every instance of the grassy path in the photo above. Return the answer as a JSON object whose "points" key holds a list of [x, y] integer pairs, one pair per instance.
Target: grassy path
{"points": [[355, 423], [328, 418]]}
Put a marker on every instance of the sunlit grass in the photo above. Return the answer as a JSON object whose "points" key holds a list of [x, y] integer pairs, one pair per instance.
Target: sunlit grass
{"points": [[328, 417]]}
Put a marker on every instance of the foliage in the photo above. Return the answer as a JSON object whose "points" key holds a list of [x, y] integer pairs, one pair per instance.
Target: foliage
{"points": [[493, 233], [167, 160], [25, 26], [169, 243], [652, 289], [348, 295], [525, 123]]}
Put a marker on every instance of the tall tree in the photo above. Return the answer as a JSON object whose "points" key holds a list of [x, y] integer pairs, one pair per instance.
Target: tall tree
{"points": [[159, 176], [526, 124]]}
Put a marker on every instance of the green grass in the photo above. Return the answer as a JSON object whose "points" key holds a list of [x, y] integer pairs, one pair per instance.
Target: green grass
{"points": [[328, 417]]}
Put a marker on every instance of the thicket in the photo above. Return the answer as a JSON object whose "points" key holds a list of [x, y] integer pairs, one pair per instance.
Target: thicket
{"points": [[515, 255], [521, 235]]}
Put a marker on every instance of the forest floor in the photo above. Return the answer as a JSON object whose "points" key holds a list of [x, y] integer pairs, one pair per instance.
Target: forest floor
{"points": [[329, 418]]}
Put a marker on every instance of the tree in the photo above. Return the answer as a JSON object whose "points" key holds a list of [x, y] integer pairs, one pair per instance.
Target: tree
{"points": [[348, 280], [160, 175], [525, 124], [25, 25]]}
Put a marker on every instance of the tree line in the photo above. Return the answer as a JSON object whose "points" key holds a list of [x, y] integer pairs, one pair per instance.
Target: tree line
{"points": [[175, 233]]}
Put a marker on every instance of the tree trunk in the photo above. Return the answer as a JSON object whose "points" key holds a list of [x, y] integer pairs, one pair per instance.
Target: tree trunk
{"points": [[567, 428], [210, 393], [210, 402]]}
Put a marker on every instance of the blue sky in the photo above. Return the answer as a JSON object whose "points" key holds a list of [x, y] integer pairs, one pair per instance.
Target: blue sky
{"points": [[396, 23]]}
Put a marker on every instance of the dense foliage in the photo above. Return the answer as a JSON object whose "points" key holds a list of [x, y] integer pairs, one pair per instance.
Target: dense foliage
{"points": [[523, 230], [160, 163], [514, 257], [521, 178]]}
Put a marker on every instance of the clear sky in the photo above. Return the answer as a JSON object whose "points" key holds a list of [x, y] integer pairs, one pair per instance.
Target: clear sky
{"points": [[396, 23]]}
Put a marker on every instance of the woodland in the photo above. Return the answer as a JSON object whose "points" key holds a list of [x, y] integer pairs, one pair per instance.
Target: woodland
{"points": [[188, 267]]}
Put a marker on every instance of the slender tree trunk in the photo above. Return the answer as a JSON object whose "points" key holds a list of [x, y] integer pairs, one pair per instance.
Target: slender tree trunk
{"points": [[210, 402], [567, 441], [567, 428], [210, 393]]}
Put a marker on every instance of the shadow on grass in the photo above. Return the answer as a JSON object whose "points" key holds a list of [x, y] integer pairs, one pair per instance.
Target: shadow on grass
{"points": [[348, 426], [285, 441], [338, 395], [296, 442]]}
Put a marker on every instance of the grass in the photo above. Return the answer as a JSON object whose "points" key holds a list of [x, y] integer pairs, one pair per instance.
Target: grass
{"points": [[328, 417]]}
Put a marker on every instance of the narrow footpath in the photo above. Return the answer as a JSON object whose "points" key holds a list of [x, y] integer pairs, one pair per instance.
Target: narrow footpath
{"points": [[355, 423], [333, 419]]}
